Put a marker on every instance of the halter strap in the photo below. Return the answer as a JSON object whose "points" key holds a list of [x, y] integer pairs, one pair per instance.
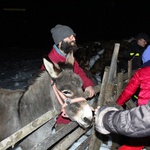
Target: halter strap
{"points": [[63, 100]]}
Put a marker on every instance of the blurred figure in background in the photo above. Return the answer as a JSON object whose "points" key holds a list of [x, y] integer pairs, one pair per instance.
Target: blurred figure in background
{"points": [[135, 50]]}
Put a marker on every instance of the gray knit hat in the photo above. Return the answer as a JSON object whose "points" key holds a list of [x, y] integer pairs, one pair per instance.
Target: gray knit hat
{"points": [[60, 32]]}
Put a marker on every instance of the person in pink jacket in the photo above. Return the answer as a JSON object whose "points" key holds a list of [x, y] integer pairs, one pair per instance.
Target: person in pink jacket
{"points": [[64, 42], [141, 78]]}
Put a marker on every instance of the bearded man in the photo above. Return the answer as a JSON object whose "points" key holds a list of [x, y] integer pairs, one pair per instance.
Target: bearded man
{"points": [[64, 42]]}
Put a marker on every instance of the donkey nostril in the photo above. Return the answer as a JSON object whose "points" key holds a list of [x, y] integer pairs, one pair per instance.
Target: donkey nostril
{"points": [[85, 119]]}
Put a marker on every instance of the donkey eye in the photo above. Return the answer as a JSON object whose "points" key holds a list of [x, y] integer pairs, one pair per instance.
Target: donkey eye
{"points": [[67, 93]]}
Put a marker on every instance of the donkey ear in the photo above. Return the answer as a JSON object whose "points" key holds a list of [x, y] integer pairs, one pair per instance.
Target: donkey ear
{"points": [[52, 68], [70, 58]]}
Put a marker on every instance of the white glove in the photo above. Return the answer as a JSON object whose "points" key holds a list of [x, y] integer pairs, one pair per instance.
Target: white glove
{"points": [[99, 114]]}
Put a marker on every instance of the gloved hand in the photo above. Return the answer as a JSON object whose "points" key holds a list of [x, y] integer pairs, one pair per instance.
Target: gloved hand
{"points": [[99, 114]]}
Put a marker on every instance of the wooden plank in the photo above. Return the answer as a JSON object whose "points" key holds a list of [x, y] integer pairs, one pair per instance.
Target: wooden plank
{"points": [[57, 136], [113, 65], [70, 139], [23, 132], [109, 91], [119, 84], [84, 144], [101, 97], [130, 104], [129, 69], [95, 142]]}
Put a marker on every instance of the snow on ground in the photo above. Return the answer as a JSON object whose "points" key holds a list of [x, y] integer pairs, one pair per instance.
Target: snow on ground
{"points": [[17, 74]]}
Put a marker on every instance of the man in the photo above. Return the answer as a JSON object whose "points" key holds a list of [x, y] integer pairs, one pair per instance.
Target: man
{"points": [[136, 49], [65, 41]]}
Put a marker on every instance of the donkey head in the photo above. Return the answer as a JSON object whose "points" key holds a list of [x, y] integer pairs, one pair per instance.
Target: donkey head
{"points": [[68, 86]]}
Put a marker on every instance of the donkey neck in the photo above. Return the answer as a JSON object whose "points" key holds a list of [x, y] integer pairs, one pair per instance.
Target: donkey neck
{"points": [[32, 102]]}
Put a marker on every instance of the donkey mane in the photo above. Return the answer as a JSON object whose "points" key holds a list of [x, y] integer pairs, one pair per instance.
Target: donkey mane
{"points": [[34, 78], [64, 65]]}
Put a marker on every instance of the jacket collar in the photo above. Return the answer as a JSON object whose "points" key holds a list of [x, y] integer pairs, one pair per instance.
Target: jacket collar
{"points": [[58, 50]]}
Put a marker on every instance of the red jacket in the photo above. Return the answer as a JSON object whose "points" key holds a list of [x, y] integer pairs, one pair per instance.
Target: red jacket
{"points": [[140, 78], [56, 57]]}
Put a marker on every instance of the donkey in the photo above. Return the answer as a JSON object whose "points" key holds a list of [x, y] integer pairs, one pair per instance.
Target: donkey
{"points": [[57, 81]]}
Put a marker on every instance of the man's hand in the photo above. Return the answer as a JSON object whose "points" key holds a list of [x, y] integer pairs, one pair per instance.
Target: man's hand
{"points": [[91, 91]]}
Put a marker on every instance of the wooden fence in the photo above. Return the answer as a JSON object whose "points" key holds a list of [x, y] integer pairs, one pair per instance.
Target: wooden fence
{"points": [[111, 87]]}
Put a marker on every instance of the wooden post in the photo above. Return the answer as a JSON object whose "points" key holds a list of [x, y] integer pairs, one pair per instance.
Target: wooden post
{"points": [[106, 91], [101, 97], [113, 65], [119, 83], [129, 69]]}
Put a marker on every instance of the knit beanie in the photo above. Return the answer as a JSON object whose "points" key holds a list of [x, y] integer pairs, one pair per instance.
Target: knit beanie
{"points": [[60, 32], [146, 54]]}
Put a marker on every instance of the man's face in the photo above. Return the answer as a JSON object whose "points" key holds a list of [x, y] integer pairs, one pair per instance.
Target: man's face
{"points": [[142, 42], [68, 44]]}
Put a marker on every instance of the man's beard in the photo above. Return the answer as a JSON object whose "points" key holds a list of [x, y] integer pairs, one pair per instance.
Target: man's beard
{"points": [[66, 47]]}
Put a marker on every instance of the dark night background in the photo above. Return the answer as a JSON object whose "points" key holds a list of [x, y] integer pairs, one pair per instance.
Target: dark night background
{"points": [[25, 30], [27, 23]]}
